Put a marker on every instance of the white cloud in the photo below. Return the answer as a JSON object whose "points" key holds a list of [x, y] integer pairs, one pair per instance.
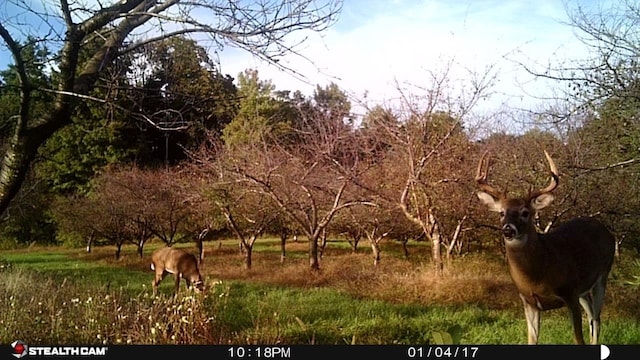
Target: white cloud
{"points": [[375, 43]]}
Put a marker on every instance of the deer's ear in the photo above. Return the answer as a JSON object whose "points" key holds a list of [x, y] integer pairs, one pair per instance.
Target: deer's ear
{"points": [[492, 203], [541, 201]]}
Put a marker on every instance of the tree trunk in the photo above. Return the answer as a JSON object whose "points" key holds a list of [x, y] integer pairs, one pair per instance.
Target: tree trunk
{"points": [[199, 242], [355, 239], [405, 249], [436, 242], [283, 250], [247, 256], [375, 248], [140, 247], [323, 243], [314, 263], [15, 164], [90, 240], [437, 257], [456, 243], [118, 250], [28, 137]]}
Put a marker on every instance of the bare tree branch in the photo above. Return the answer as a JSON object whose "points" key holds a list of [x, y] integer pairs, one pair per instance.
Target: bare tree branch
{"points": [[608, 166]]}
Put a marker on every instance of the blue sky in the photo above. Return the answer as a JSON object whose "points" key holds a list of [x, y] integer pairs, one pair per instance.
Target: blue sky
{"points": [[378, 44]]}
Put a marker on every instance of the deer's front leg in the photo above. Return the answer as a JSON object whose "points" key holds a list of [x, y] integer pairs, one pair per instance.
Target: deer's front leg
{"points": [[177, 283], [158, 278], [532, 314]]}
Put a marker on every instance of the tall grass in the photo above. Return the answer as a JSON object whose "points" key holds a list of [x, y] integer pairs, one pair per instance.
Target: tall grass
{"points": [[41, 309], [235, 313]]}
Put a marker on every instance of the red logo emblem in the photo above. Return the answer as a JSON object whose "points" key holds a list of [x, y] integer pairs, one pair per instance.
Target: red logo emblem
{"points": [[19, 348]]}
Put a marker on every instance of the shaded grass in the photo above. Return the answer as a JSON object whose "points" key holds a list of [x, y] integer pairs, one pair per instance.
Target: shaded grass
{"points": [[66, 267], [348, 302]]}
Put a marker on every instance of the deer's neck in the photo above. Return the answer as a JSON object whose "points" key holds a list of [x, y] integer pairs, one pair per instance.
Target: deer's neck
{"points": [[527, 258]]}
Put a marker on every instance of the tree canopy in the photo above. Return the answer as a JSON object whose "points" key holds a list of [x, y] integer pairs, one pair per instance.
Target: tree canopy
{"points": [[85, 40]]}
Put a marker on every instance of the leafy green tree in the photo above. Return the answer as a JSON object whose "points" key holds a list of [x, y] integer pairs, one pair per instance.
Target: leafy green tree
{"points": [[79, 151], [179, 96], [333, 103], [35, 57], [95, 137], [263, 112]]}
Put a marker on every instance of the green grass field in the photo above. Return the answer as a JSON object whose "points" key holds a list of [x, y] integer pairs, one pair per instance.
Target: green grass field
{"points": [[58, 295]]}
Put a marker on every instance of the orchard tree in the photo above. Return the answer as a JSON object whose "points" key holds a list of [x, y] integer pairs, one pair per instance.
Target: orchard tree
{"points": [[158, 206], [134, 205], [118, 28], [309, 181], [73, 216], [598, 116], [604, 179], [247, 213], [425, 143], [611, 69], [108, 212], [604, 86]]}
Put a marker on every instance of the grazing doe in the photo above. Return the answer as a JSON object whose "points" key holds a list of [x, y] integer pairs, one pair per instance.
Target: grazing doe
{"points": [[568, 266], [178, 262]]}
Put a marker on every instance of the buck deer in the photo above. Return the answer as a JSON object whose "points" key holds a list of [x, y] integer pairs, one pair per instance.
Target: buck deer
{"points": [[569, 265], [182, 264]]}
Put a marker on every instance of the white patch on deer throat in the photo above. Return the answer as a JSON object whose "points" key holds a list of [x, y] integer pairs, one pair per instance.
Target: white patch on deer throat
{"points": [[519, 240]]}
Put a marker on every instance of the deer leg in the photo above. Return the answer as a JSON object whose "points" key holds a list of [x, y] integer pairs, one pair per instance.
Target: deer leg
{"points": [[588, 305], [576, 319], [592, 303], [158, 278], [598, 300], [532, 314], [177, 283]]}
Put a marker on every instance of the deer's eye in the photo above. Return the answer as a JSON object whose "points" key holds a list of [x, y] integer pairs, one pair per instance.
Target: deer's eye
{"points": [[501, 213], [525, 213]]}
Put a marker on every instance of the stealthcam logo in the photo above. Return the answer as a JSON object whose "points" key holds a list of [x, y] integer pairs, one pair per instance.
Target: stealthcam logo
{"points": [[19, 349]]}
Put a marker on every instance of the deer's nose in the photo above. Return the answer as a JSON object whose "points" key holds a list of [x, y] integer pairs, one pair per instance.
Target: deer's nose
{"points": [[509, 231]]}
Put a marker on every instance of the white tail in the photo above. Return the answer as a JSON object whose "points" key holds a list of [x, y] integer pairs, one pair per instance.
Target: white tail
{"points": [[567, 266], [178, 262]]}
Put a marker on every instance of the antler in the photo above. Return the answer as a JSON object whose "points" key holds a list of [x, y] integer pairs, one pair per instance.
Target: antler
{"points": [[481, 178], [555, 179]]}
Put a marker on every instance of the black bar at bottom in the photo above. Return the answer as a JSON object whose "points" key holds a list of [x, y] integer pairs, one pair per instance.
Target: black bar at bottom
{"points": [[409, 352]]}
